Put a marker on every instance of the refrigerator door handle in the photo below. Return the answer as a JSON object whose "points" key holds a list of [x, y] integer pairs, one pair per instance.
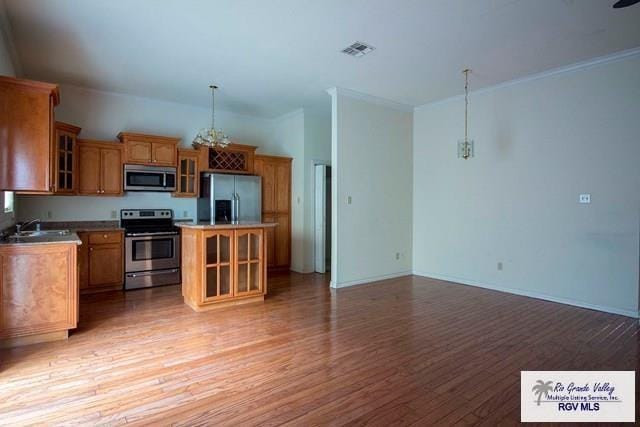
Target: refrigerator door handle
{"points": [[233, 207], [237, 199]]}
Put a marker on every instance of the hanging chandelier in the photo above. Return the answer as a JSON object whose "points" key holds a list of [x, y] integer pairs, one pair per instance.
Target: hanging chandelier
{"points": [[465, 146], [211, 137]]}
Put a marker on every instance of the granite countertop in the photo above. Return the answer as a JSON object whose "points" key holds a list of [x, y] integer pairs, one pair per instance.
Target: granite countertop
{"points": [[79, 226], [73, 226], [206, 225], [42, 240]]}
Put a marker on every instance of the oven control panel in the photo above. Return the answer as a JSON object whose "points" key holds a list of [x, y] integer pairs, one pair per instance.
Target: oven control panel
{"points": [[146, 214]]}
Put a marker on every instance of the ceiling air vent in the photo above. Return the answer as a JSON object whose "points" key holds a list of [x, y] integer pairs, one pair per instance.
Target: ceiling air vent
{"points": [[358, 49]]}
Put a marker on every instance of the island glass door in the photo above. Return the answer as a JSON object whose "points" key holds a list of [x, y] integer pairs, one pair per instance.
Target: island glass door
{"points": [[218, 250], [249, 262]]}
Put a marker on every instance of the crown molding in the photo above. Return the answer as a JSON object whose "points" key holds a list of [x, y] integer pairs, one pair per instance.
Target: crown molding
{"points": [[335, 91], [594, 62]]}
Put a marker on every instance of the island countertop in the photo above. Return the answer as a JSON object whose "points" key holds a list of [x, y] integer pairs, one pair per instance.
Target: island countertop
{"points": [[206, 225]]}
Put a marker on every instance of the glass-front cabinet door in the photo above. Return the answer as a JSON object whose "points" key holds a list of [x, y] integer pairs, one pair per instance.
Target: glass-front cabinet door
{"points": [[218, 261], [187, 173], [249, 261], [65, 157]]}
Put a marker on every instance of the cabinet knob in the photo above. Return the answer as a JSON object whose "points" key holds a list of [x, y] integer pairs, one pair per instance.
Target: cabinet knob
{"points": [[104, 235], [90, 249]]}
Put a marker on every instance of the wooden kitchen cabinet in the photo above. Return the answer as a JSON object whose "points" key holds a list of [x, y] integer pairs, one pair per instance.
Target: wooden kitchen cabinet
{"points": [[65, 158], [100, 168], [249, 265], [27, 126], [223, 266], [188, 173], [151, 150], [218, 258], [234, 158], [38, 292], [101, 260], [276, 207]]}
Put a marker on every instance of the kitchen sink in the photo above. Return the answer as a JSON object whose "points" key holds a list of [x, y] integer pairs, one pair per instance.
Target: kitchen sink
{"points": [[39, 233]]}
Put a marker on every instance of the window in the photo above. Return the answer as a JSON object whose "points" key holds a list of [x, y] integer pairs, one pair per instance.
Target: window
{"points": [[8, 202]]}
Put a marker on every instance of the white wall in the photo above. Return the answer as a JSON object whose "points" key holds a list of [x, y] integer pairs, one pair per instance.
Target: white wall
{"points": [[538, 144], [371, 162], [101, 115], [6, 69]]}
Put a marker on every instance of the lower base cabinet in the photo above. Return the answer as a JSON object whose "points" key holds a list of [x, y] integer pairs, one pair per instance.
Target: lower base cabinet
{"points": [[38, 293], [223, 267], [101, 261]]}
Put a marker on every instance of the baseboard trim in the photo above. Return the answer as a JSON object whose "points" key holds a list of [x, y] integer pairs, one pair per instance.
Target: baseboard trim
{"points": [[369, 279], [537, 295]]}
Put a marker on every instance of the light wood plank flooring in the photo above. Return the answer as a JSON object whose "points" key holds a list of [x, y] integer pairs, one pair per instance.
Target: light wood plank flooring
{"points": [[400, 352]]}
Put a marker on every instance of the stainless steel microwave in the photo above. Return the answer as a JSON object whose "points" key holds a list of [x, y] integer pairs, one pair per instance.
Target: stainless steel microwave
{"points": [[149, 178]]}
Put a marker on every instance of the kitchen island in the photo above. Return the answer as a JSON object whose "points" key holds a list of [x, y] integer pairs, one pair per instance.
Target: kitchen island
{"points": [[223, 264]]}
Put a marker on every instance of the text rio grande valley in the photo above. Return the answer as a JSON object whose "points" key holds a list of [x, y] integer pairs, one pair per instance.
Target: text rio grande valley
{"points": [[585, 397]]}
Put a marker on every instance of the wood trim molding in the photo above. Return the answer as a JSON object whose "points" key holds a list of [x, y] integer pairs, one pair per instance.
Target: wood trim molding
{"points": [[66, 127], [35, 85], [124, 136]]}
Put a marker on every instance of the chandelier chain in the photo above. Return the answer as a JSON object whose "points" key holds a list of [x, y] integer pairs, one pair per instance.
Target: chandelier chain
{"points": [[466, 103], [213, 106]]}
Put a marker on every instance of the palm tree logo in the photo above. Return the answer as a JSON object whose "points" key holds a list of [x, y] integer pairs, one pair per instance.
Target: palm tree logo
{"points": [[542, 388]]}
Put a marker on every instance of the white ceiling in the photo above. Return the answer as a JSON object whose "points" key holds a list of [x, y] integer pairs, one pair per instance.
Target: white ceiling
{"points": [[271, 57]]}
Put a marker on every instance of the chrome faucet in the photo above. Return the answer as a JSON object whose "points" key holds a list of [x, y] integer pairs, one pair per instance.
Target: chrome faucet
{"points": [[22, 225]]}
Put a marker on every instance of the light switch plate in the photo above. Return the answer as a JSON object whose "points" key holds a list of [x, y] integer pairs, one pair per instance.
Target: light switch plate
{"points": [[585, 198]]}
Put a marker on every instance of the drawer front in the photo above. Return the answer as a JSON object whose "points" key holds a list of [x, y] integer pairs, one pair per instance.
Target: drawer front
{"points": [[96, 238]]}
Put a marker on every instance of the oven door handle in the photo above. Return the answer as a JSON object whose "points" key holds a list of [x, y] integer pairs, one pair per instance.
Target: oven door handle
{"points": [[152, 273], [157, 233]]}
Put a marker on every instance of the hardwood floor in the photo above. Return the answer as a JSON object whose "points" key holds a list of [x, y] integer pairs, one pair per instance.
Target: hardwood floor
{"points": [[407, 351]]}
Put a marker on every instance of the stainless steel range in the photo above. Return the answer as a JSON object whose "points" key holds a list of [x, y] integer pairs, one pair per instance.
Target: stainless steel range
{"points": [[152, 248]]}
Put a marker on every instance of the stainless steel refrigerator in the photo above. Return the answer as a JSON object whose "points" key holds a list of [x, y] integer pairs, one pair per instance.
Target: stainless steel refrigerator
{"points": [[226, 198]]}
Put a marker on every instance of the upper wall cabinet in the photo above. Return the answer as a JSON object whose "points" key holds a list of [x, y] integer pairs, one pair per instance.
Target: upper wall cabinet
{"points": [[149, 150], [27, 135], [235, 158], [100, 168], [188, 175], [66, 158]]}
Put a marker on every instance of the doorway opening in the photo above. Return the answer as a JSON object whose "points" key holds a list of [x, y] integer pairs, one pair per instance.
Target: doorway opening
{"points": [[322, 227]]}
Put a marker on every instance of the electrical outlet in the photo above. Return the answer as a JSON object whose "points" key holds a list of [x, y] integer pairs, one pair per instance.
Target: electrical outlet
{"points": [[185, 214], [585, 198], [348, 200], [49, 215], [397, 255], [500, 266], [114, 214]]}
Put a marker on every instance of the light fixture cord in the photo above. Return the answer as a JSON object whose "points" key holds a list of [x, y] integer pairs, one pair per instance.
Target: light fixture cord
{"points": [[466, 103], [213, 107]]}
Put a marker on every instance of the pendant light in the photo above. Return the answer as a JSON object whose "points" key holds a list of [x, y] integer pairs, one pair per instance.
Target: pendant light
{"points": [[465, 146], [211, 137]]}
